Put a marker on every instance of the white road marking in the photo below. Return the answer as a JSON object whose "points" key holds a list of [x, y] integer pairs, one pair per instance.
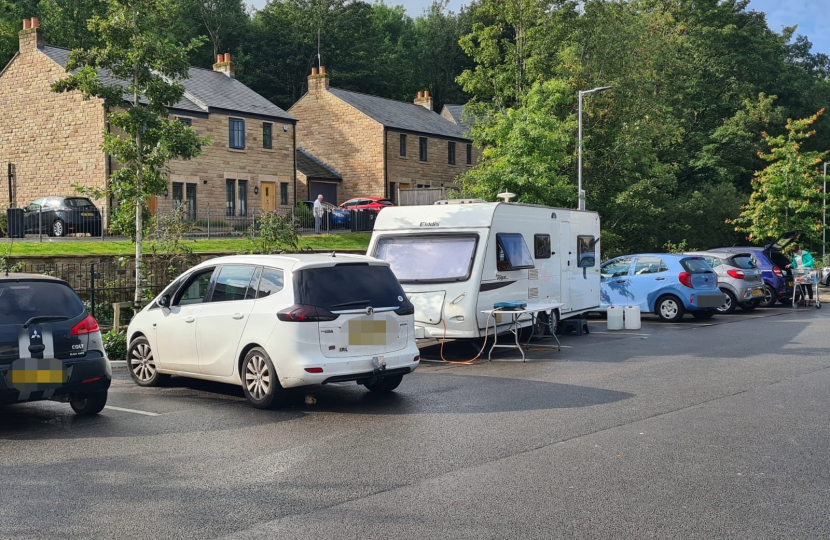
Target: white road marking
{"points": [[145, 413], [619, 333]]}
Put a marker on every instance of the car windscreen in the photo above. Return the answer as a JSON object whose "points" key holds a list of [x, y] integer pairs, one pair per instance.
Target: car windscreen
{"points": [[436, 258], [77, 202], [347, 286], [743, 261], [385, 202], [22, 300], [695, 265]]}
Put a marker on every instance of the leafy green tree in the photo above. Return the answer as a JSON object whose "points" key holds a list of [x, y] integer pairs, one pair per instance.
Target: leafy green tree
{"points": [[141, 136], [12, 13], [787, 194], [66, 21]]}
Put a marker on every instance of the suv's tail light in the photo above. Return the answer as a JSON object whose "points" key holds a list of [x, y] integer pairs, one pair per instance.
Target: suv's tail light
{"points": [[406, 308], [777, 271], [686, 279], [299, 313], [737, 274], [86, 326]]}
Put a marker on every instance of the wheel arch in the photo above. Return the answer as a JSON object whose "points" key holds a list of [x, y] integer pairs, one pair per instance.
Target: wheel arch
{"points": [[243, 353]]}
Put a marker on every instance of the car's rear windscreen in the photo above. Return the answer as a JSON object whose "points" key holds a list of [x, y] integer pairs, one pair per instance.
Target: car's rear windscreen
{"points": [[695, 265], [22, 300], [743, 261], [78, 202], [347, 286]]}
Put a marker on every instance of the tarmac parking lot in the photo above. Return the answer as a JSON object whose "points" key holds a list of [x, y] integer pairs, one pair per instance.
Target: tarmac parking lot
{"points": [[699, 429]]}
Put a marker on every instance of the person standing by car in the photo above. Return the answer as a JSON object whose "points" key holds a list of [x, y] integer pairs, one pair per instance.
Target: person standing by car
{"points": [[802, 259], [318, 213]]}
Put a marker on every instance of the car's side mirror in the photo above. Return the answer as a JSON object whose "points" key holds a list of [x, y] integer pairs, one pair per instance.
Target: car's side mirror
{"points": [[164, 301]]}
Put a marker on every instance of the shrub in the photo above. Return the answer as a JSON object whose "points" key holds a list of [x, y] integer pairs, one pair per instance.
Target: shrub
{"points": [[274, 233], [115, 343]]}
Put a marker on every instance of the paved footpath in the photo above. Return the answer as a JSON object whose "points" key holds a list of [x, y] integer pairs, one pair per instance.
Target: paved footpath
{"points": [[688, 430]]}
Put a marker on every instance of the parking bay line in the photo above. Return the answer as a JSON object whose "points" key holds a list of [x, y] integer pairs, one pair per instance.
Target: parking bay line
{"points": [[145, 413]]}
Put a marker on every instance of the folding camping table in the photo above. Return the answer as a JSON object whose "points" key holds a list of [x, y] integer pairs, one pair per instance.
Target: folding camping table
{"points": [[516, 317]]}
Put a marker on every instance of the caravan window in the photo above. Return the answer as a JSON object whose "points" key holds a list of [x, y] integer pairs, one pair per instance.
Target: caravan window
{"points": [[586, 248], [436, 258], [512, 252], [541, 246]]}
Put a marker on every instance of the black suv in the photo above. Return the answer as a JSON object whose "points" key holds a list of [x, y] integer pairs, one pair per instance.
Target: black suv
{"points": [[50, 348], [59, 216]]}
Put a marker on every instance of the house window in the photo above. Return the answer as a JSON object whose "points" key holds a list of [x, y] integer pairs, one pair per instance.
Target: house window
{"points": [[266, 136], [230, 197], [185, 121], [451, 153], [178, 194], [403, 145], [284, 193], [243, 197], [236, 135], [469, 154], [422, 148], [190, 193]]}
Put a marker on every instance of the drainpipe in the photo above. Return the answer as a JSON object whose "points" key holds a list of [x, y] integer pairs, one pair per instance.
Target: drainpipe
{"points": [[385, 163], [294, 155]]}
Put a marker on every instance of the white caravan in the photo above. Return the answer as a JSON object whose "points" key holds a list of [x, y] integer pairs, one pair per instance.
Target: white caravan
{"points": [[457, 258]]}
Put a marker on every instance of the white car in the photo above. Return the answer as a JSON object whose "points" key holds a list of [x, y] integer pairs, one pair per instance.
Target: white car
{"points": [[273, 322]]}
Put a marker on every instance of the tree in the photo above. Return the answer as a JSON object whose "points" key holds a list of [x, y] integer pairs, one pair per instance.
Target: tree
{"points": [[66, 21], [787, 194], [141, 137]]}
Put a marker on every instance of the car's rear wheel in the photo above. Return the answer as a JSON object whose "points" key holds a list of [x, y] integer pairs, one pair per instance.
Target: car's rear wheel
{"points": [[58, 228], [669, 309], [729, 302], [142, 364], [386, 384], [88, 404], [259, 380], [750, 306], [703, 315], [770, 297]]}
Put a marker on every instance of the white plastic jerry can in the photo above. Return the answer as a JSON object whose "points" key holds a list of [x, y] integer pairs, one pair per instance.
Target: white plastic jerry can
{"points": [[632, 318], [615, 318]]}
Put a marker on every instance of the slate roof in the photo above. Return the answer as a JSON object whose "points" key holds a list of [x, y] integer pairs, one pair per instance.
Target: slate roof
{"points": [[457, 113], [399, 115], [206, 91], [313, 169]]}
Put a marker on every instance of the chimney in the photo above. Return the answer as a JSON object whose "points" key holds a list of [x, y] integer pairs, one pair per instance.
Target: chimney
{"points": [[31, 37], [424, 99], [224, 65], [318, 82]]}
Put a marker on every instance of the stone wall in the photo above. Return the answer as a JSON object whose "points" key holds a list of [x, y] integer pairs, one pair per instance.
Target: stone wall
{"points": [[53, 140], [345, 140], [410, 172]]}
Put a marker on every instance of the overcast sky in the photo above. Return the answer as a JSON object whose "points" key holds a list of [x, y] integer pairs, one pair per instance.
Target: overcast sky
{"points": [[811, 16]]}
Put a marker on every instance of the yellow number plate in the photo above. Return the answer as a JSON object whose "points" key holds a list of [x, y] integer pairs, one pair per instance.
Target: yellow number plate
{"points": [[372, 331], [789, 284], [757, 292]]}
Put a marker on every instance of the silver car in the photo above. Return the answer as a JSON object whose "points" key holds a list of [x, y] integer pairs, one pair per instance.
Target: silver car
{"points": [[738, 278]]}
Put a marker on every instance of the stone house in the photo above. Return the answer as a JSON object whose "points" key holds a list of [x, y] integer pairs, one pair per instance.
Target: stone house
{"points": [[374, 145], [50, 141]]}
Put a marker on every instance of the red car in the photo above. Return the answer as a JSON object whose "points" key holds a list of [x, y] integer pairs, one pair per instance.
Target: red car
{"points": [[367, 203]]}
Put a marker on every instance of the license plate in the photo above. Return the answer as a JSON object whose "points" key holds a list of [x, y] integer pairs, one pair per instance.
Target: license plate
{"points": [[370, 331], [757, 292], [33, 374], [789, 284], [709, 301], [87, 214]]}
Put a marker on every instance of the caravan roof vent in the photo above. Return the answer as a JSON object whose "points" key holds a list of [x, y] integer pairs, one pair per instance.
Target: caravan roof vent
{"points": [[459, 201], [506, 196]]}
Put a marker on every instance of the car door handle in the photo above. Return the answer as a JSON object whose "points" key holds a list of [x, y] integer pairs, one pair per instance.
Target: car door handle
{"points": [[621, 281], [189, 319], [238, 316], [660, 279]]}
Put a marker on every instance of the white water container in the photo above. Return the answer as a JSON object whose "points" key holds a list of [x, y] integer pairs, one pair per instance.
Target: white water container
{"points": [[632, 318], [615, 318]]}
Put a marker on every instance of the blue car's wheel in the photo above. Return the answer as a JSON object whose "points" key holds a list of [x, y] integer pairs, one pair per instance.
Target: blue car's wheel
{"points": [[669, 309], [770, 297]]}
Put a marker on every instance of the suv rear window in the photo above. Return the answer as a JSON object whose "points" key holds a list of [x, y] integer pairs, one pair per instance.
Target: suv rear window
{"points": [[695, 265], [744, 262], [20, 301], [78, 202], [347, 286]]}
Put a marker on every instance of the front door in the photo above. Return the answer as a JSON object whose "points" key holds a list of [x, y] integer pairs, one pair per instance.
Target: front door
{"points": [[152, 204], [267, 191], [176, 329]]}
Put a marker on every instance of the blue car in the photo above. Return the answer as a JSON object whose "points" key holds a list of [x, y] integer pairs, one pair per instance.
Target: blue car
{"points": [[666, 284], [772, 260], [339, 217]]}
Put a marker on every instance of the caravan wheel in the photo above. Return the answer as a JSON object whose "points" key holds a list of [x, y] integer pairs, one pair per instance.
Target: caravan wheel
{"points": [[545, 324]]}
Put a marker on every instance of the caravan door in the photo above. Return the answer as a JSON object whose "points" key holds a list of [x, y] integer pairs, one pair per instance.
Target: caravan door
{"points": [[565, 260]]}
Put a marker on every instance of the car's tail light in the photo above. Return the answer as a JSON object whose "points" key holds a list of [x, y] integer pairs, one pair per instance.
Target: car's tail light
{"points": [[314, 370], [299, 313], [406, 308], [417, 358], [86, 326], [737, 274], [686, 279], [777, 271]]}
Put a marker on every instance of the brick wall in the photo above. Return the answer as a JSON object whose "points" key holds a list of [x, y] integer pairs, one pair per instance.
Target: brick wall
{"points": [[52, 139], [219, 162], [345, 140], [409, 171]]}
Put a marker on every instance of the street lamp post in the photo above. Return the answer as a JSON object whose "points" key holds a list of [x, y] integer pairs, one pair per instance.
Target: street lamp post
{"points": [[581, 193], [824, 216]]}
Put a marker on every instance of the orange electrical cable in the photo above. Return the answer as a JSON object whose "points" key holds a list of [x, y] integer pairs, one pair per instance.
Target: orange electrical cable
{"points": [[476, 357]]}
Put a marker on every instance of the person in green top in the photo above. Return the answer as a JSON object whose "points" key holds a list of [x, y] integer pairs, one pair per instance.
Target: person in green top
{"points": [[802, 259]]}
